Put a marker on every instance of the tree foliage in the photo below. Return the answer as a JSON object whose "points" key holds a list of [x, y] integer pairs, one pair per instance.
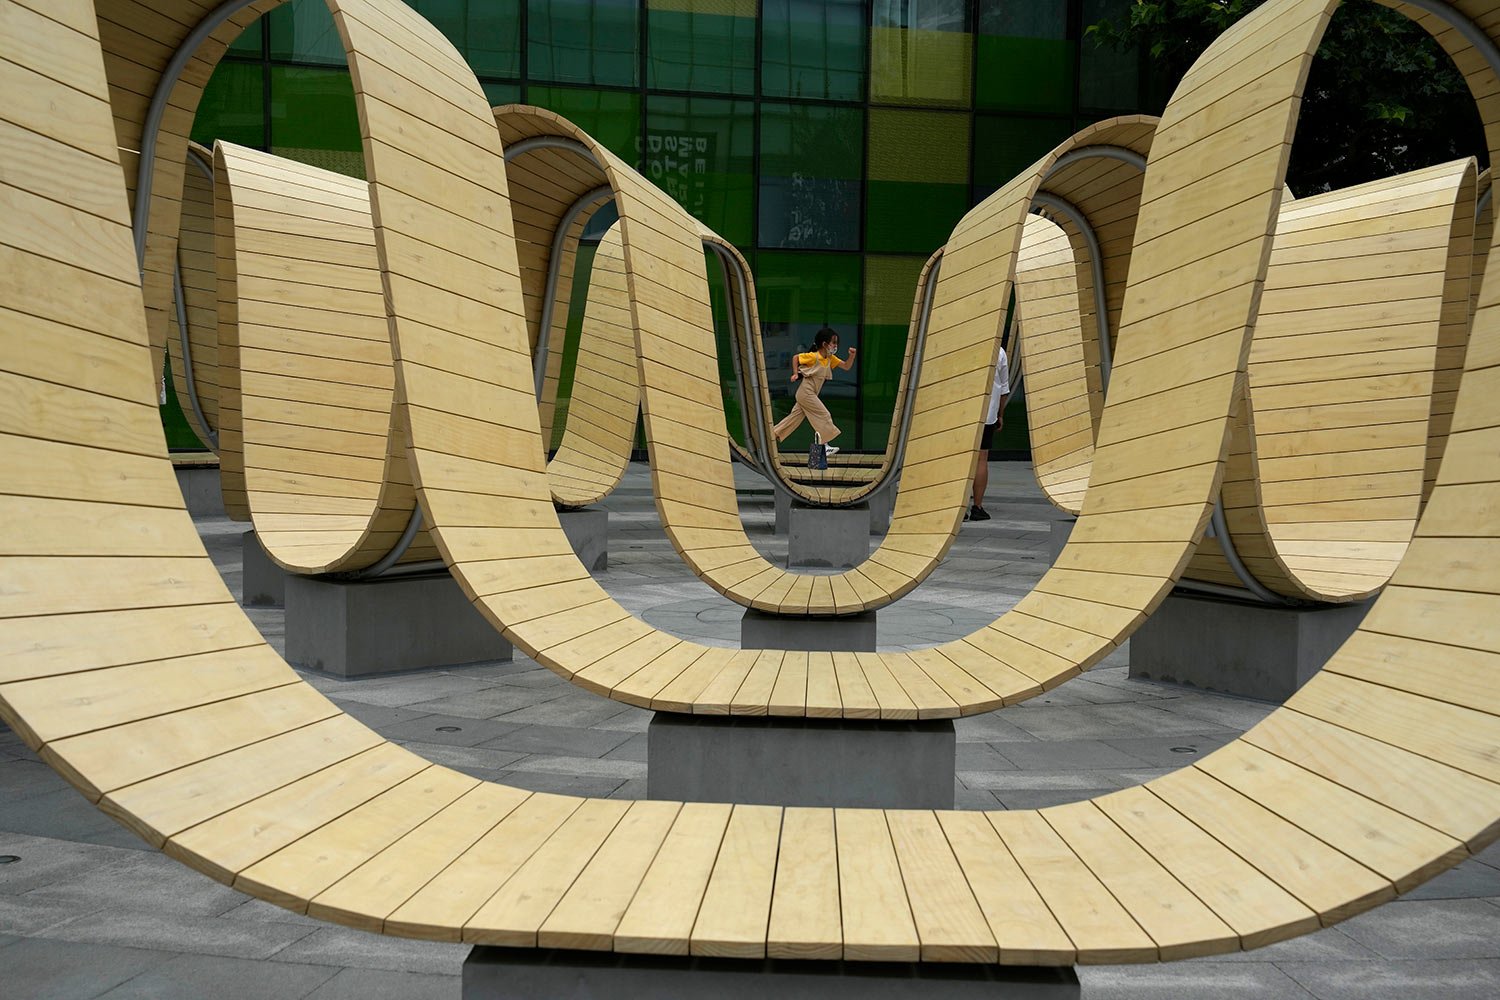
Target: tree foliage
{"points": [[1382, 97]]}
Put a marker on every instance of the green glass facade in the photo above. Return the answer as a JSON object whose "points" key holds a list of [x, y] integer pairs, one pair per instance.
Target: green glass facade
{"points": [[836, 142]]}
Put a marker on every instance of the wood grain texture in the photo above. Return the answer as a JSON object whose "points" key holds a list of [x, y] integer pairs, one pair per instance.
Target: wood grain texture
{"points": [[1378, 773]]}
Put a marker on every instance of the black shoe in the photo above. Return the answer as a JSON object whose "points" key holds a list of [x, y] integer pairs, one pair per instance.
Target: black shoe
{"points": [[978, 513]]}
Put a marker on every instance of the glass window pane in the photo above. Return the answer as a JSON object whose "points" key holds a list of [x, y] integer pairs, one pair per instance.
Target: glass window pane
{"points": [[1025, 58], [1108, 78], [1003, 147], [251, 40], [303, 31], [919, 178], [701, 151], [584, 41], [611, 116], [501, 93], [493, 42], [813, 48], [701, 45], [313, 118], [799, 294], [810, 176], [920, 54], [232, 107], [890, 286]]}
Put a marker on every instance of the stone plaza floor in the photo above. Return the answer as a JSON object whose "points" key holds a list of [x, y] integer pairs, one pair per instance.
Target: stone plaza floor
{"points": [[88, 911]]}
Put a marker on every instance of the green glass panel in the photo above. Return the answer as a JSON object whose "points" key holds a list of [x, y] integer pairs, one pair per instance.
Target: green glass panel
{"points": [[303, 31], [611, 116], [810, 176], [919, 173], [890, 287], [724, 343], [501, 93], [584, 41], [701, 151], [487, 32], [1026, 62], [799, 294], [701, 45], [1108, 79], [313, 118], [1003, 147], [493, 42], [920, 53], [813, 48], [233, 106], [251, 41], [174, 423]]}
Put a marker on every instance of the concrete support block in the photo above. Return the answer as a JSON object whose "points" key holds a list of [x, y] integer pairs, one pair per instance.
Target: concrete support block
{"points": [[555, 974], [837, 537], [1250, 650], [262, 582], [879, 503], [588, 533], [882, 764], [854, 633], [1061, 531], [355, 628], [200, 490]]}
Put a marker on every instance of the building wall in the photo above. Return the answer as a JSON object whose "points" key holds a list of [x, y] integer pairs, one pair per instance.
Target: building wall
{"points": [[836, 142]]}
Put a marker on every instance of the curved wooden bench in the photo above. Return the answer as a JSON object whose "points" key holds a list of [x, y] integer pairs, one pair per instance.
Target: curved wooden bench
{"points": [[606, 399], [128, 666], [311, 429], [1062, 389], [1325, 476], [197, 287]]}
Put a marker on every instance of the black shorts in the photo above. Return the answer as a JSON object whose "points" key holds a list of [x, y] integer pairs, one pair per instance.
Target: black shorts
{"points": [[988, 437]]}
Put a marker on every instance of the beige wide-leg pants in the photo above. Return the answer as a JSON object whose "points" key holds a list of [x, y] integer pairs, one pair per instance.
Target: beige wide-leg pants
{"points": [[809, 407]]}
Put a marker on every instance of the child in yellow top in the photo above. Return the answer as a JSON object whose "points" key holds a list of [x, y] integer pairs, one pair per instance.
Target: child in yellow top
{"points": [[814, 368]]}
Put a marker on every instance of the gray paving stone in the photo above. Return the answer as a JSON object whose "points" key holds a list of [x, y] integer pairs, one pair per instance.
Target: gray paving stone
{"points": [[144, 882], [196, 977], [133, 928], [1188, 981], [451, 730], [1465, 979], [45, 860], [632, 749], [464, 757], [28, 916], [980, 757], [491, 702], [368, 984], [1067, 754], [65, 813], [635, 788], [1471, 879], [38, 969], [1449, 928], [561, 740], [988, 729], [593, 767], [22, 779], [1169, 751], [377, 717], [1328, 944], [561, 784], [344, 946], [1041, 798]]}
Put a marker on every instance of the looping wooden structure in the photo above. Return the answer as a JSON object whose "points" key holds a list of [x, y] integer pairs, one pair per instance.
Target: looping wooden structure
{"points": [[128, 666]]}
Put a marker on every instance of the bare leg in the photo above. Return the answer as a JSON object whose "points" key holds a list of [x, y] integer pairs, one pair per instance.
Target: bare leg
{"points": [[981, 478]]}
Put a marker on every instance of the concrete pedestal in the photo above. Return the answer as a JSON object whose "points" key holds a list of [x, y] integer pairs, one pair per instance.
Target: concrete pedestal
{"points": [[837, 537], [200, 489], [1243, 649], [355, 628], [555, 974], [588, 533], [262, 582], [851, 633], [1061, 532], [800, 762], [880, 511]]}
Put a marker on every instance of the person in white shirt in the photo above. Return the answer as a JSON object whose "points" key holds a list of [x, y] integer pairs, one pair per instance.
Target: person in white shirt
{"points": [[994, 419]]}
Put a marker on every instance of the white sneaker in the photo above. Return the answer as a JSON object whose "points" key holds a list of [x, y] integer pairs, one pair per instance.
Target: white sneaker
{"points": [[830, 450]]}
